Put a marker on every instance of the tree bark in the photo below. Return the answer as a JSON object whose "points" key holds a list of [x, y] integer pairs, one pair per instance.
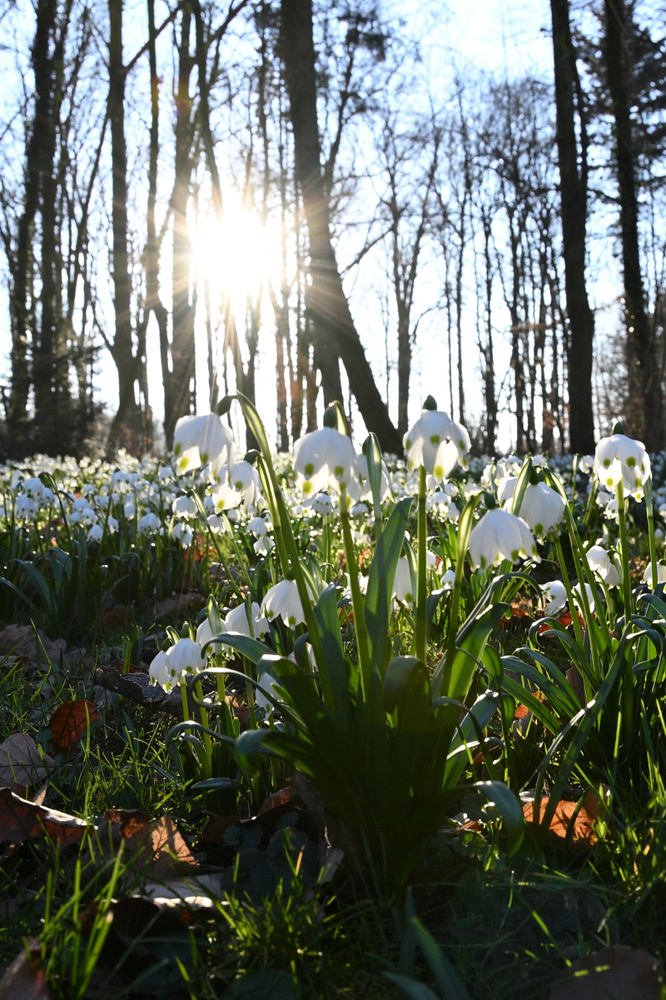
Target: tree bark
{"points": [[573, 188], [645, 380], [125, 428], [336, 336]]}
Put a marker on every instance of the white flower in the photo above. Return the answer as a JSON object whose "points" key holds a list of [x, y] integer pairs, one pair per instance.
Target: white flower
{"points": [[436, 442], [267, 682], [500, 535], [602, 564], [184, 506], [159, 671], [448, 579], [184, 659], [661, 574], [244, 479], [258, 526], [556, 596], [326, 458], [96, 533], [225, 497], [238, 621], [322, 504], [590, 597], [283, 599], [202, 440], [180, 661], [25, 506], [542, 506], [148, 524], [634, 463], [403, 587], [385, 479]]}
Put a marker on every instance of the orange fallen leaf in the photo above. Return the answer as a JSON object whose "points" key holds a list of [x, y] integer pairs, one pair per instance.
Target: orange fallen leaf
{"points": [[70, 721], [156, 846], [569, 822]]}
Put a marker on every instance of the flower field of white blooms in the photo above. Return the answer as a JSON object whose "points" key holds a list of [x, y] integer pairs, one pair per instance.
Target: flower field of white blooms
{"points": [[333, 724]]}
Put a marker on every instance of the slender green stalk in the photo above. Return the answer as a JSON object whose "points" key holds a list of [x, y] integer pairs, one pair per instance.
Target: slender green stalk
{"points": [[464, 530], [183, 698], [624, 551], [420, 621], [649, 510], [362, 642], [208, 746]]}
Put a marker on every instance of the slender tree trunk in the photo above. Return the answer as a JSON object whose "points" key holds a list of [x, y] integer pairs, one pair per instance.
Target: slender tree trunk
{"points": [[336, 336], [181, 394], [646, 379], [573, 188], [124, 427]]}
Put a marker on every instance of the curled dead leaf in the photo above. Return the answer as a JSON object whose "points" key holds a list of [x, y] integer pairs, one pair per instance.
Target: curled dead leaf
{"points": [[22, 763], [22, 820], [570, 823], [69, 722]]}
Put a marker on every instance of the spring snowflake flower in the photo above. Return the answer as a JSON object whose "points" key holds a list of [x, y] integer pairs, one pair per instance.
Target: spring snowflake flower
{"points": [[555, 594], [321, 504], [500, 535], [326, 458], [542, 507], [237, 620], [403, 587], [283, 600], [619, 457], [436, 442], [661, 574], [244, 479], [202, 440], [602, 564], [182, 660]]}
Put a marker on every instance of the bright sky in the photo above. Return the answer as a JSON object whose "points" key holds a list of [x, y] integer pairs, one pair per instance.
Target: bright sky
{"points": [[495, 35]]}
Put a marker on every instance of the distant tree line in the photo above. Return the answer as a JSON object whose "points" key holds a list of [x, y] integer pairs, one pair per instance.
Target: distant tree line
{"points": [[466, 213]]}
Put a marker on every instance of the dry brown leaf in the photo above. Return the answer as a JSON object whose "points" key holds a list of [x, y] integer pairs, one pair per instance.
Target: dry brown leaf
{"points": [[23, 820], [21, 762], [577, 832], [70, 721], [178, 604], [155, 848], [616, 973], [23, 979], [33, 648]]}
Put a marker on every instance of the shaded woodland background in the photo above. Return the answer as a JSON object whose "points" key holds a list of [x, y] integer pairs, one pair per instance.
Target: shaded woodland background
{"points": [[481, 212]]}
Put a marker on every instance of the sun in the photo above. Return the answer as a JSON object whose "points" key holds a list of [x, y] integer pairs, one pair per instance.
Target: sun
{"points": [[236, 256]]}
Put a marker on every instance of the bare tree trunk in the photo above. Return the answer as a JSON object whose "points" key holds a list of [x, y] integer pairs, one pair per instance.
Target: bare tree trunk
{"points": [[124, 429], [180, 390], [573, 188], [645, 382], [336, 336]]}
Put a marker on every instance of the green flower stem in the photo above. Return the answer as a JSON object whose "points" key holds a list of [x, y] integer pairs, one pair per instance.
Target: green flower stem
{"points": [[624, 551], [649, 510], [420, 620], [249, 691], [183, 698], [211, 534], [362, 643], [208, 746], [569, 589], [240, 556], [464, 530], [283, 532]]}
